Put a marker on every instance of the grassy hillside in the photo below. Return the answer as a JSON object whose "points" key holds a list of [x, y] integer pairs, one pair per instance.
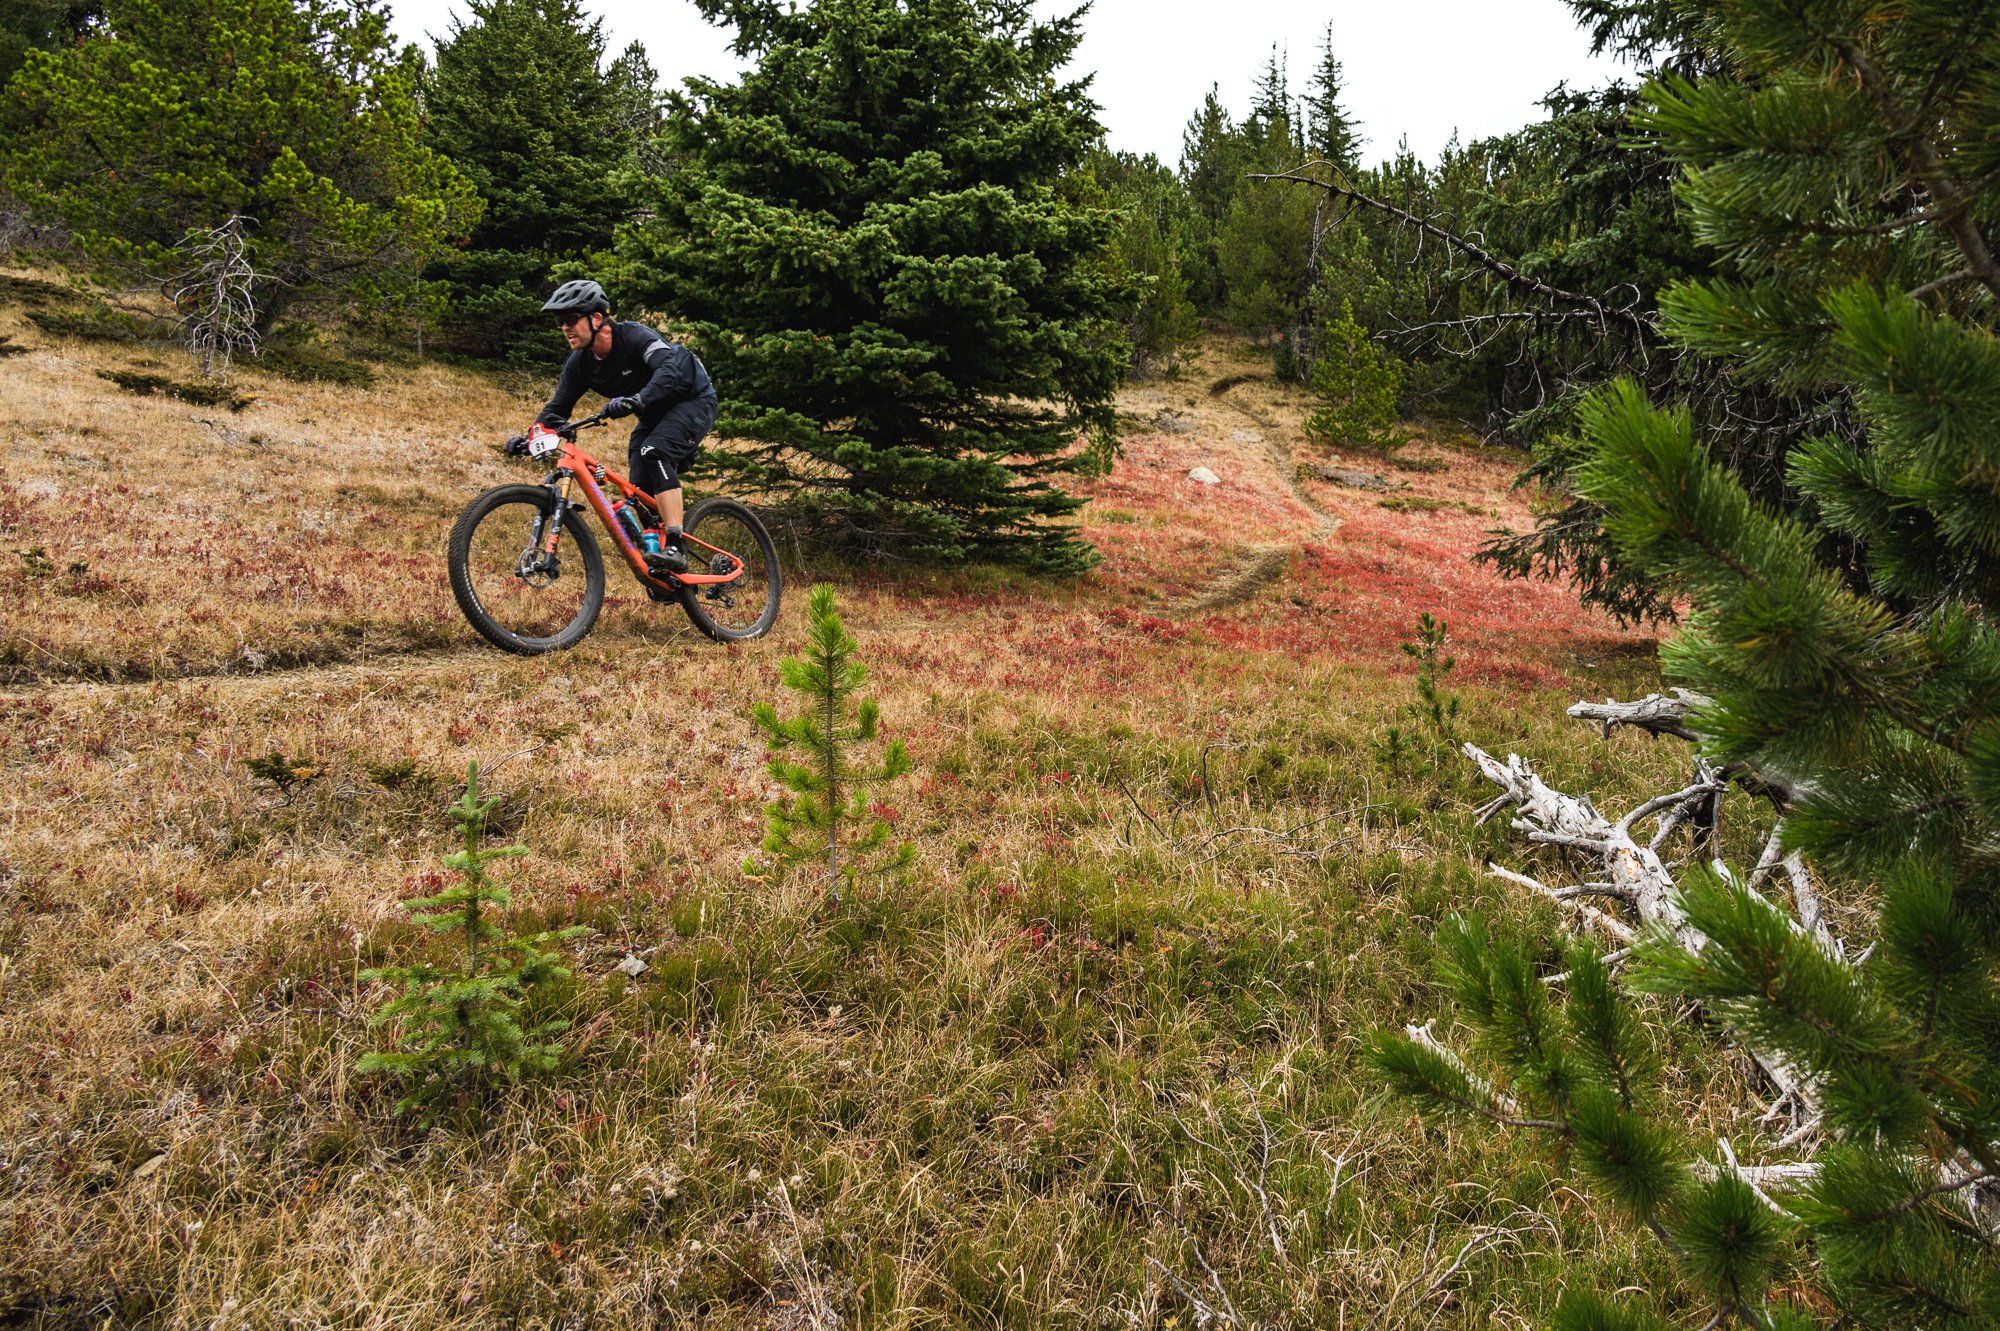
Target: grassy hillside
{"points": [[1093, 1063]]}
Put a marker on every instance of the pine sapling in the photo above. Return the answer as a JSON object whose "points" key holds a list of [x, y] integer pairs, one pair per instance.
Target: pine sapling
{"points": [[461, 1027], [828, 791], [1355, 388], [1435, 712]]}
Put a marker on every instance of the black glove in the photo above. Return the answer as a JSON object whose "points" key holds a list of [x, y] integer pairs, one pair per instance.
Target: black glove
{"points": [[516, 447], [621, 406]]}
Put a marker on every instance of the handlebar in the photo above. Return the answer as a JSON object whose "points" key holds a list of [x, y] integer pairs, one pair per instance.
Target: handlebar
{"points": [[569, 428]]}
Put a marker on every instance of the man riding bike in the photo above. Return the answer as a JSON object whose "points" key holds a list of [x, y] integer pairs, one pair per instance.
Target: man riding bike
{"points": [[643, 374]]}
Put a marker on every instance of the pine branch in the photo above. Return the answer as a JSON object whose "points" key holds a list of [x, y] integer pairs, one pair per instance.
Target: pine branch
{"points": [[1489, 1101], [1595, 308], [1927, 165]]}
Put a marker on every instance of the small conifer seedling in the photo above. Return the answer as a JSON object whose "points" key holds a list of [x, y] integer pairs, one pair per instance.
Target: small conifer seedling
{"points": [[1435, 712], [828, 790], [461, 1026]]}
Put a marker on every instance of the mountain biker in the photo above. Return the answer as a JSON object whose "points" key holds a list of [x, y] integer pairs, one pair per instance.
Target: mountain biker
{"points": [[663, 383]]}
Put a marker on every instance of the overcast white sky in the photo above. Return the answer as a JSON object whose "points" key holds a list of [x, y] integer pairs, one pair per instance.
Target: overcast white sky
{"points": [[1416, 68]]}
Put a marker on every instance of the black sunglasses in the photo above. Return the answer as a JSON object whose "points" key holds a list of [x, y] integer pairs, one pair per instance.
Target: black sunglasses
{"points": [[565, 320]]}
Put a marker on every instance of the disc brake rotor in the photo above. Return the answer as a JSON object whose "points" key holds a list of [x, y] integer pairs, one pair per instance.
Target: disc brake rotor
{"points": [[537, 570]]}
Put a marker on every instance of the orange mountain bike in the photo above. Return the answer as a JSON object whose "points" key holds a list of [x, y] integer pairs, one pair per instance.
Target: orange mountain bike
{"points": [[527, 573]]}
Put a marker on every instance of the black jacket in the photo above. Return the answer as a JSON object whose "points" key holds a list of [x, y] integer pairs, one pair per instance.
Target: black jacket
{"points": [[642, 364]]}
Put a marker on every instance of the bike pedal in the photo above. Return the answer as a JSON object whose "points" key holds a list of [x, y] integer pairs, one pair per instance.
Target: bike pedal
{"points": [[664, 565]]}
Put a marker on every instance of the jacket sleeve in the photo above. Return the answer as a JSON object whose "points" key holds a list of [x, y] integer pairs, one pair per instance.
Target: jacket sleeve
{"points": [[568, 389], [673, 380]]}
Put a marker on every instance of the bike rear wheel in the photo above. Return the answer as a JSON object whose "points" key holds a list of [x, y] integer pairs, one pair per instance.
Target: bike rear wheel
{"points": [[518, 600], [746, 606]]}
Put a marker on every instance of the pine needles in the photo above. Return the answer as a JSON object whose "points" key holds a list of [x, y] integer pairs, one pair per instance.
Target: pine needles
{"points": [[828, 791], [461, 1027]]}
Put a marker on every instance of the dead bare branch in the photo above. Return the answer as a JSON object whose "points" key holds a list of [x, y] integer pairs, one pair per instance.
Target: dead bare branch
{"points": [[1656, 714], [1334, 184], [213, 296], [1632, 871]]}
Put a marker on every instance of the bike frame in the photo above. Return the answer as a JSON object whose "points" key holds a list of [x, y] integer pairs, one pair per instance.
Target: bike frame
{"points": [[574, 467]]}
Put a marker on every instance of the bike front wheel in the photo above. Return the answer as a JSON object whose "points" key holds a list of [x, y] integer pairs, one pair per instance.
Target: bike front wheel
{"points": [[519, 598], [746, 606]]}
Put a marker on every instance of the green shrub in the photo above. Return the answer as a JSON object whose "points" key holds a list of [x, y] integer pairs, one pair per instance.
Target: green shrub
{"points": [[97, 323], [307, 364], [1355, 386], [281, 771], [33, 292], [201, 395]]}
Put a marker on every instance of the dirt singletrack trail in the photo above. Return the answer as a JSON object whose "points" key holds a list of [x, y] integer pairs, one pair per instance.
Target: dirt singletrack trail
{"points": [[1261, 565], [1319, 551], [391, 661]]}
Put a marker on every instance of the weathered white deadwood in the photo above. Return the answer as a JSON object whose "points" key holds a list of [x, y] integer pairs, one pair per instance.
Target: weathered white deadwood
{"points": [[214, 296], [1633, 873], [1659, 714], [1656, 713], [1566, 896], [1635, 876], [1975, 1192], [1502, 1104]]}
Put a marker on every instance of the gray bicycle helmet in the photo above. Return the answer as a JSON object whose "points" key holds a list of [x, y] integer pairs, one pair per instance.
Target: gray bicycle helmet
{"points": [[582, 296]]}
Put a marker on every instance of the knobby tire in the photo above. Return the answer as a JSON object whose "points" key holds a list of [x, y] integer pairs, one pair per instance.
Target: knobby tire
{"points": [[577, 551], [760, 576]]}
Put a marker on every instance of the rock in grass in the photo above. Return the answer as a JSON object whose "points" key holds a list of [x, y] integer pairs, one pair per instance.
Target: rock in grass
{"points": [[1354, 480], [1203, 476]]}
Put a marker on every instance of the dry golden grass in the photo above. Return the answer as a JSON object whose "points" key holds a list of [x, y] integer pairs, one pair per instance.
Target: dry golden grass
{"points": [[1164, 887]]}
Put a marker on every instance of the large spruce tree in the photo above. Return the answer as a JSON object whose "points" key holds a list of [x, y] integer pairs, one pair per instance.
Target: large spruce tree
{"points": [[521, 101], [909, 324], [1847, 172]]}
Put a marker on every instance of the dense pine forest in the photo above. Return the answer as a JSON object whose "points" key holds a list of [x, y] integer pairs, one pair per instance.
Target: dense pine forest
{"points": [[1353, 740]]}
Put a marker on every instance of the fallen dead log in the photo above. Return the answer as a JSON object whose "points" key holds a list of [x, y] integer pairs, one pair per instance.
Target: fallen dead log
{"points": [[1634, 877], [1633, 874], [1670, 714], [1656, 713]]}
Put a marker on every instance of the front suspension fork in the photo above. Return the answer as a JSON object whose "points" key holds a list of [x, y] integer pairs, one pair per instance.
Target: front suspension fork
{"points": [[554, 529]]}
